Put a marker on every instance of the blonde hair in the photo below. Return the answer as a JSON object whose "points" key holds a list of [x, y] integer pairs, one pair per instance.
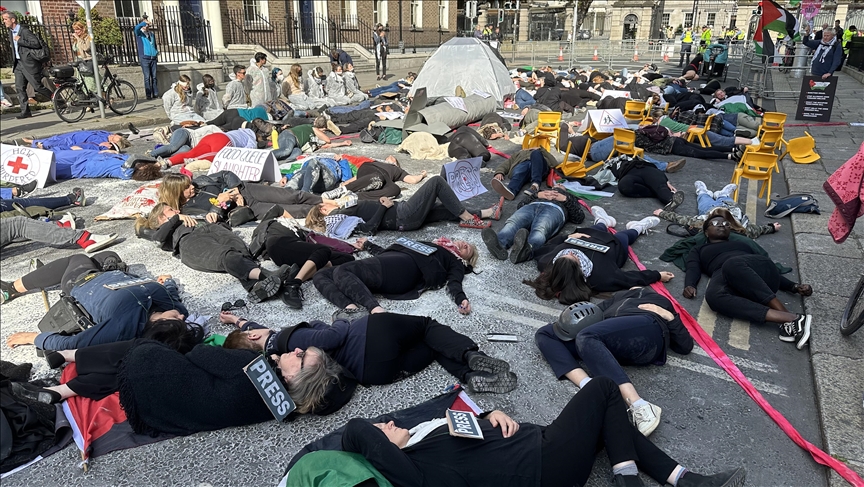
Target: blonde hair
{"points": [[295, 73], [172, 188], [315, 219], [475, 256], [309, 386], [151, 222], [179, 88]]}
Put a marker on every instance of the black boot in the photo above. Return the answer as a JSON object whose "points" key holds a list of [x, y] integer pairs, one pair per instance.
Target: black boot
{"points": [[35, 394], [112, 263], [7, 292], [730, 478], [628, 481]]}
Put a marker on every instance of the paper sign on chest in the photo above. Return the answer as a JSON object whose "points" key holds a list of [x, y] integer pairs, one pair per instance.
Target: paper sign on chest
{"points": [[247, 164]]}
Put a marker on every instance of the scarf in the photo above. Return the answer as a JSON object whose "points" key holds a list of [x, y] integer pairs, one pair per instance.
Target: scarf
{"points": [[451, 247], [823, 50], [584, 262], [341, 226]]}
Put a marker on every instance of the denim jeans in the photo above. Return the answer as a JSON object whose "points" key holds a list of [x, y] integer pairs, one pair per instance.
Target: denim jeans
{"points": [[179, 142], [524, 99], [391, 88], [345, 109], [534, 169], [148, 67], [542, 220], [50, 203], [726, 128], [288, 150], [673, 89], [601, 149], [705, 202], [718, 139]]}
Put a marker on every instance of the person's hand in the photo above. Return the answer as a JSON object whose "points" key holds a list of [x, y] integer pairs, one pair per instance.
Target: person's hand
{"points": [[21, 338], [75, 147], [658, 211], [188, 221], [508, 426], [212, 217], [657, 310], [689, 292], [826, 75], [578, 235], [17, 38], [283, 181], [228, 318], [162, 278], [108, 152], [499, 177], [804, 289], [386, 201], [423, 174], [666, 276], [776, 226], [465, 307], [671, 188], [358, 244]]}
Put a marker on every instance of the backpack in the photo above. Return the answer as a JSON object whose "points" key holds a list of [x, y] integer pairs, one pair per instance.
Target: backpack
{"points": [[793, 203], [43, 52], [279, 109], [654, 132], [370, 135], [392, 136]]}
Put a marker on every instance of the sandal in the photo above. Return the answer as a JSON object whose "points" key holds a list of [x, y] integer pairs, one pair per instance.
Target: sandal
{"points": [[476, 222], [496, 209]]}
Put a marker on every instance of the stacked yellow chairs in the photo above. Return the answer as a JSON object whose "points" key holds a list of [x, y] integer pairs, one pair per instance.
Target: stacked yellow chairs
{"points": [[802, 150], [634, 110], [773, 122], [548, 128], [701, 133], [770, 142], [755, 166], [625, 143]]}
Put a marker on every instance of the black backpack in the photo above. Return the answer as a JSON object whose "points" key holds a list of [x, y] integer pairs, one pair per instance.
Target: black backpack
{"points": [[371, 135]]}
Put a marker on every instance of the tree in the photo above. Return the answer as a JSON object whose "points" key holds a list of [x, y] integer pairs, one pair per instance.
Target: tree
{"points": [[582, 7], [106, 31]]}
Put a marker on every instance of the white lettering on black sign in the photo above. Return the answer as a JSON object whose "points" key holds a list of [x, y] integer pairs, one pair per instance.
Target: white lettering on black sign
{"points": [[267, 384]]}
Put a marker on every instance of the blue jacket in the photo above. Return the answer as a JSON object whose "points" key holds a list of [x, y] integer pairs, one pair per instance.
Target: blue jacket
{"points": [[118, 315], [6, 194], [343, 59], [90, 164], [85, 139], [148, 41], [831, 60]]}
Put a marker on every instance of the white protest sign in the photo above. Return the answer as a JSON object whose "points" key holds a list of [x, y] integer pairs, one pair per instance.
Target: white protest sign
{"points": [[606, 121], [463, 176], [457, 103], [247, 164], [20, 165], [616, 94]]}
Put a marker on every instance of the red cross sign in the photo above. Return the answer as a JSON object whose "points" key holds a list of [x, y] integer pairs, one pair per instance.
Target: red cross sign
{"points": [[17, 165]]}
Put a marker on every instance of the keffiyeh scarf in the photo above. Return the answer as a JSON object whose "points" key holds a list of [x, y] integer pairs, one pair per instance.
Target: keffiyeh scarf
{"points": [[823, 50], [451, 247], [584, 262], [341, 226]]}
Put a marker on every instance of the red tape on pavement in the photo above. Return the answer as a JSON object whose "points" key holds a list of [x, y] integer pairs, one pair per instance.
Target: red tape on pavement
{"points": [[498, 152]]}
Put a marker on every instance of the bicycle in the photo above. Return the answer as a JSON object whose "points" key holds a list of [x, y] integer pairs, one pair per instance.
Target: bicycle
{"points": [[853, 315], [72, 97]]}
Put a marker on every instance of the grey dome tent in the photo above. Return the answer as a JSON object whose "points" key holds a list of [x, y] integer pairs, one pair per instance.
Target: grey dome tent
{"points": [[465, 62]]}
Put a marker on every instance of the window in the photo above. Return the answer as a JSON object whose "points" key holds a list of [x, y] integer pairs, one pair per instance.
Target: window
{"points": [[732, 20], [688, 19], [379, 16], [127, 8], [417, 13], [348, 11], [254, 10], [443, 14], [712, 17], [665, 20]]}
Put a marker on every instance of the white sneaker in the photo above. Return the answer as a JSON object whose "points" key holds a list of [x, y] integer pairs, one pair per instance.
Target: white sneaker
{"points": [[643, 225], [334, 193], [601, 216], [726, 192], [6, 103], [701, 188], [68, 218], [646, 418], [99, 242]]}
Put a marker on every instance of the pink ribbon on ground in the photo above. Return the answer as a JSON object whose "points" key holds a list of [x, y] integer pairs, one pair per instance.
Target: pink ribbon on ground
{"points": [[498, 152], [719, 356]]}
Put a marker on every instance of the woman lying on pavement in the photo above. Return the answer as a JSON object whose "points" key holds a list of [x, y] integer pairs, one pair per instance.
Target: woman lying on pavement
{"points": [[375, 179], [711, 202], [633, 327], [88, 163], [11, 201], [211, 144], [85, 139], [561, 454], [376, 349], [117, 314], [210, 247], [572, 273], [744, 284], [398, 272], [600, 150], [183, 140], [660, 140], [660, 118], [385, 214], [639, 179], [539, 217]]}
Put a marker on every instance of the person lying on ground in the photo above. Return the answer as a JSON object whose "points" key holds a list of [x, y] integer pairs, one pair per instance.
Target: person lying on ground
{"points": [[600, 150], [691, 71], [660, 140], [375, 179], [538, 218], [398, 273], [319, 174], [640, 179], [376, 349], [237, 118], [466, 143], [354, 121], [86, 163], [529, 165], [385, 214], [183, 140], [572, 273], [85, 139], [709, 203], [55, 233], [744, 284], [211, 144], [117, 314], [633, 327], [722, 94], [659, 118], [10, 202], [400, 86], [558, 455], [210, 247], [294, 140], [494, 126]]}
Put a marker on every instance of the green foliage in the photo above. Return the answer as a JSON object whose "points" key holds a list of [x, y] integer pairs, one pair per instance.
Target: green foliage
{"points": [[679, 30], [106, 31]]}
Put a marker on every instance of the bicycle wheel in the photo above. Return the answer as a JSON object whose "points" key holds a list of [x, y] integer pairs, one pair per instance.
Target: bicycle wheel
{"points": [[122, 97], [853, 315], [68, 105]]}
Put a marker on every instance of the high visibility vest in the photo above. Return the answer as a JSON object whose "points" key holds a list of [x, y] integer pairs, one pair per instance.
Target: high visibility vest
{"points": [[706, 36], [688, 37], [847, 36], [741, 35]]}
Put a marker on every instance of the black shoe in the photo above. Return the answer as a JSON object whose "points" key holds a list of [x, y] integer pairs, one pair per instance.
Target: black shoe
{"points": [[24, 189], [482, 381], [133, 128], [22, 115], [77, 197], [112, 263], [797, 331], [241, 215], [628, 481], [349, 315], [265, 289], [293, 296], [283, 272], [521, 250], [481, 361], [7, 292], [275, 211], [55, 359], [678, 230], [677, 199], [35, 394], [490, 238], [730, 478]]}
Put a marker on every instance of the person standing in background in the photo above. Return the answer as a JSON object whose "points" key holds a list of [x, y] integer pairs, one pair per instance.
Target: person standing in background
{"points": [[149, 57], [686, 45], [81, 47], [27, 69], [381, 49], [235, 92]]}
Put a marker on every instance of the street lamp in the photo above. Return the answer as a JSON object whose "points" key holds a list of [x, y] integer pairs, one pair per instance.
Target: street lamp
{"points": [[414, 41]]}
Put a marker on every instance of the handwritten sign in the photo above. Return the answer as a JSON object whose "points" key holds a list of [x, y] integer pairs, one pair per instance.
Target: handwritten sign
{"points": [[267, 384], [247, 164], [20, 165], [605, 121], [463, 176], [817, 99]]}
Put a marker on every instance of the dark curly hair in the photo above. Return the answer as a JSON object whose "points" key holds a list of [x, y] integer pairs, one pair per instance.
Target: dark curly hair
{"points": [[146, 171]]}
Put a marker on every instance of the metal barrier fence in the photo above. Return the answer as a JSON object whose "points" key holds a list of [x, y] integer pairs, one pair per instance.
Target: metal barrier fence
{"points": [[181, 36]]}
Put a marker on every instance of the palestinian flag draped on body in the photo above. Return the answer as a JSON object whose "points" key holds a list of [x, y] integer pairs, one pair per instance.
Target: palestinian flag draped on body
{"points": [[778, 19], [736, 104]]}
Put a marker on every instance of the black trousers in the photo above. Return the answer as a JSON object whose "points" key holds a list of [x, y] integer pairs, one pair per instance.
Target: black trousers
{"points": [[291, 250], [215, 248], [422, 206], [465, 144], [380, 61], [65, 271], [392, 273], [31, 75], [97, 367], [596, 417], [368, 176], [230, 119], [397, 344], [645, 182], [744, 285], [681, 147], [260, 198]]}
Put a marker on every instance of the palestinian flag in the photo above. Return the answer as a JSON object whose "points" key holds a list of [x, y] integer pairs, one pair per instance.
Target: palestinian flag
{"points": [[736, 104], [764, 43], [776, 18]]}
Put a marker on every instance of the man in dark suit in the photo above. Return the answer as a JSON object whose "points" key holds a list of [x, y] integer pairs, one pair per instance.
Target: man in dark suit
{"points": [[27, 69]]}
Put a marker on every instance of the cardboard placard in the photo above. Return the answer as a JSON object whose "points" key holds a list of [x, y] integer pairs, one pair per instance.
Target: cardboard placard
{"points": [[247, 164], [463, 176], [616, 94], [20, 165], [605, 121], [267, 384], [817, 99]]}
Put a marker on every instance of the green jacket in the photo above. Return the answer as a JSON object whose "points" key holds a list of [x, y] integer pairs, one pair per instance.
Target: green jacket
{"points": [[331, 468], [677, 254], [506, 167]]}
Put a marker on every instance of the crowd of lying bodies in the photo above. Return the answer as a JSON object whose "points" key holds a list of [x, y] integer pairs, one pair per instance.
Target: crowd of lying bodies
{"points": [[141, 347]]}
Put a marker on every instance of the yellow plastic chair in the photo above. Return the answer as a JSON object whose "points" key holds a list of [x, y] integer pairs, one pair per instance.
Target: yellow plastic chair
{"points": [[769, 143], [634, 110], [755, 166], [771, 121], [625, 143], [547, 130], [594, 134], [577, 169], [802, 150], [700, 133]]}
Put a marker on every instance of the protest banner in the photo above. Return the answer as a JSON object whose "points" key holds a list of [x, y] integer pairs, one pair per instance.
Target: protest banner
{"points": [[817, 99], [20, 165], [463, 176], [247, 164]]}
